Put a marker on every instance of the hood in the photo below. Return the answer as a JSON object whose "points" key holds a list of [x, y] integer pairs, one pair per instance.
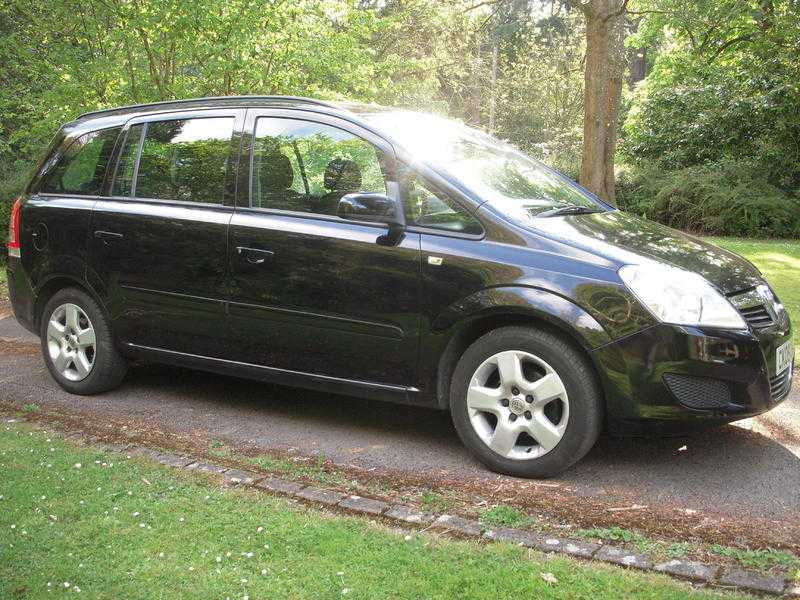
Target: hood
{"points": [[625, 239]]}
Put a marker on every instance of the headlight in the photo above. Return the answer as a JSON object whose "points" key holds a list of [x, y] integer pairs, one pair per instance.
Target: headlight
{"points": [[680, 297]]}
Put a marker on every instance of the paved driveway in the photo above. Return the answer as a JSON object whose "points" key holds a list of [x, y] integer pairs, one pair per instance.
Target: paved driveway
{"points": [[750, 469]]}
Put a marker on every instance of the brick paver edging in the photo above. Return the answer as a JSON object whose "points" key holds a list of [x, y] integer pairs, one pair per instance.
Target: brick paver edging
{"points": [[709, 574], [694, 571]]}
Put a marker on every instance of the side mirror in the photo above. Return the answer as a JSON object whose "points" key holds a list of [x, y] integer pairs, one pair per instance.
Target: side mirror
{"points": [[374, 207], [366, 207]]}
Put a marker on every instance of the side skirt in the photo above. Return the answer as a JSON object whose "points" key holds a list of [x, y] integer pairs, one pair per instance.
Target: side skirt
{"points": [[312, 381]]}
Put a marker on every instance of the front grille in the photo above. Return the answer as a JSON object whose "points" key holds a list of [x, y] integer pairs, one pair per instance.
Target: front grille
{"points": [[757, 317], [780, 384], [702, 393]]}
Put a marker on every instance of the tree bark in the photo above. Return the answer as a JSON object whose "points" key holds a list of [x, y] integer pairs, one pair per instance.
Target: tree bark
{"points": [[605, 61]]}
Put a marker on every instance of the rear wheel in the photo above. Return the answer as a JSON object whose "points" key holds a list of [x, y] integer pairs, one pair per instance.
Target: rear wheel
{"points": [[77, 344], [526, 402]]}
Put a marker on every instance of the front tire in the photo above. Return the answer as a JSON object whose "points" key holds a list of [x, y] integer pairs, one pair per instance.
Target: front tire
{"points": [[77, 344], [526, 402]]}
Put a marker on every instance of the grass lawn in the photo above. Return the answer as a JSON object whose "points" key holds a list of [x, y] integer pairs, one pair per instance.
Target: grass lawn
{"points": [[75, 520], [779, 261]]}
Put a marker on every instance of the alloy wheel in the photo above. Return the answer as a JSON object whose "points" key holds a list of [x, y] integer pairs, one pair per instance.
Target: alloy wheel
{"points": [[518, 405], [71, 342]]}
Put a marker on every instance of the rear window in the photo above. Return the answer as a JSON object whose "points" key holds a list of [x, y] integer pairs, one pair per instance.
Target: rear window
{"points": [[182, 159], [81, 168]]}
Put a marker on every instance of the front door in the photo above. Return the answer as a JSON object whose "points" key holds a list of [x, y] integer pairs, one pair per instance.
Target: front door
{"points": [[313, 292], [159, 241]]}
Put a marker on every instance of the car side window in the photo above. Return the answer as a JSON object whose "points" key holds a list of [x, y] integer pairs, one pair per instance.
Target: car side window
{"points": [[181, 159], [82, 167], [307, 167], [434, 210]]}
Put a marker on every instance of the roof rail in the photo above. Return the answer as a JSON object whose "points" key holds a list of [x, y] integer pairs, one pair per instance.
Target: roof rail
{"points": [[187, 100]]}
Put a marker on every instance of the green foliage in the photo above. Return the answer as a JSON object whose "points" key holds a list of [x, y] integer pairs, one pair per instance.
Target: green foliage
{"points": [[436, 502], [317, 469], [507, 516], [762, 560], [712, 134], [727, 197]]}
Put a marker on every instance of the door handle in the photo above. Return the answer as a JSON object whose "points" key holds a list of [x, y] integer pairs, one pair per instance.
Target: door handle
{"points": [[254, 256], [108, 236]]}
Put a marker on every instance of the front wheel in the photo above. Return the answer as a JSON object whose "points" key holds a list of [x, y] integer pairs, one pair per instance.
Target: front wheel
{"points": [[526, 402], [77, 344]]}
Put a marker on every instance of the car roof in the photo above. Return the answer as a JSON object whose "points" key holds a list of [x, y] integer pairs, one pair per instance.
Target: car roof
{"points": [[125, 112]]}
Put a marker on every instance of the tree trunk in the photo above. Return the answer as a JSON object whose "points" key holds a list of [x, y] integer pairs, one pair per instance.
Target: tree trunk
{"points": [[603, 89]]}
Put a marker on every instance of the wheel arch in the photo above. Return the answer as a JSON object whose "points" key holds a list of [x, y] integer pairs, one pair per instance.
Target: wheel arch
{"points": [[505, 306], [54, 284]]}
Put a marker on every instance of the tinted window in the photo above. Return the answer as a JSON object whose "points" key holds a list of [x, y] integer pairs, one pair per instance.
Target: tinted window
{"points": [[82, 167], [307, 167], [425, 208], [183, 159]]}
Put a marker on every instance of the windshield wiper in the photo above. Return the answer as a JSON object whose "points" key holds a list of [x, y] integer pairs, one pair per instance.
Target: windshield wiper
{"points": [[572, 209]]}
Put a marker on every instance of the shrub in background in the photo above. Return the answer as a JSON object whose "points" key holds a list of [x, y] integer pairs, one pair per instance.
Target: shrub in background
{"points": [[726, 197]]}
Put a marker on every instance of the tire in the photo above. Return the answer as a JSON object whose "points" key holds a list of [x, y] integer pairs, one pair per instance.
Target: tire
{"points": [[575, 414], [67, 320]]}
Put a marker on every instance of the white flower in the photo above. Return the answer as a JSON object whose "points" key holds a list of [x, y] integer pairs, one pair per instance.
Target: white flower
{"points": [[66, 584], [77, 589], [259, 530], [77, 465], [136, 514], [219, 559], [263, 571], [142, 525], [160, 555], [345, 591]]}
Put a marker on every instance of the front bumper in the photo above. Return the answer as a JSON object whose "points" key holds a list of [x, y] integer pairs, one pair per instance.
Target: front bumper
{"points": [[739, 363]]}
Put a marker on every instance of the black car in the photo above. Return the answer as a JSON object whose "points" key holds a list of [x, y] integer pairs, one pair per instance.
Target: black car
{"points": [[386, 254]]}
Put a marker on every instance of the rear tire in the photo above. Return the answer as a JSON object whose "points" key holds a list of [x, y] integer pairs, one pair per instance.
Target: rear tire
{"points": [[526, 402], [77, 345]]}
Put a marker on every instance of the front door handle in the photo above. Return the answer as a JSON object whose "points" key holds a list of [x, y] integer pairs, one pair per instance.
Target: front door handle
{"points": [[254, 256], [108, 236]]}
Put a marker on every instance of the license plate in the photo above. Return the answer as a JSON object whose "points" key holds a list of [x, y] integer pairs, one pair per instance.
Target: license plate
{"points": [[783, 357]]}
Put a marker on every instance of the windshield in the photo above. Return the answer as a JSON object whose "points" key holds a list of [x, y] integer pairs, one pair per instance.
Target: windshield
{"points": [[498, 173]]}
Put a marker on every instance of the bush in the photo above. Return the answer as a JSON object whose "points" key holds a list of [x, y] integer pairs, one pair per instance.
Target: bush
{"points": [[727, 197]]}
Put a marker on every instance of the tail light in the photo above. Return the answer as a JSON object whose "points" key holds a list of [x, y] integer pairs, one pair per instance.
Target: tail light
{"points": [[13, 229]]}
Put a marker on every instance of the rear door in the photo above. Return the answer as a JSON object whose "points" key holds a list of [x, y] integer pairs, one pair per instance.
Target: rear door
{"points": [[312, 292], [159, 241]]}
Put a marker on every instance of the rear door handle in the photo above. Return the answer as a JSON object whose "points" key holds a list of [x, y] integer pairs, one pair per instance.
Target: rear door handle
{"points": [[254, 256], [108, 236]]}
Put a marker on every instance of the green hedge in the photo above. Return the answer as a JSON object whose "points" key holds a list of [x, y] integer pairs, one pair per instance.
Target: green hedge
{"points": [[727, 197]]}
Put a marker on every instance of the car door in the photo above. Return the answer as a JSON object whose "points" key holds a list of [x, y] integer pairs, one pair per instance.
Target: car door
{"points": [[159, 240], [322, 296]]}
